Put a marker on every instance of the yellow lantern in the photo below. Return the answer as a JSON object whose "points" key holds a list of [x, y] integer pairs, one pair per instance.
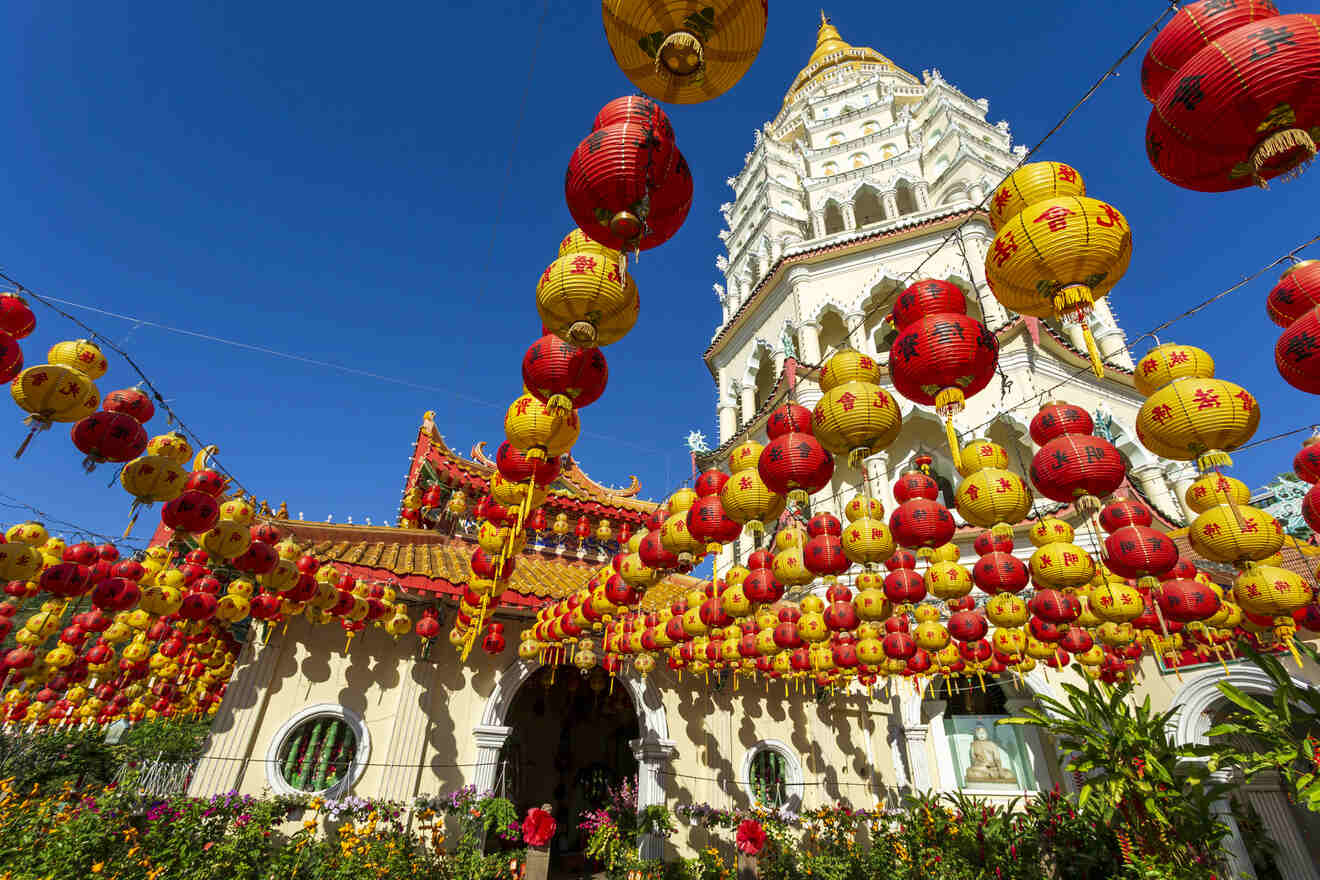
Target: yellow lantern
{"points": [[1114, 601], [82, 355], [604, 531], [1269, 591], [1235, 534], [1033, 182], [280, 578], [948, 580], [1214, 489], [636, 574], [1169, 361], [790, 567], [173, 446], [152, 478], [1006, 610], [19, 562], [745, 497], [867, 541], [1061, 565], [1057, 256], [981, 453], [864, 507], [872, 604], [856, 419], [540, 433], [52, 393], [930, 635], [993, 498], [1201, 419], [584, 297], [226, 539], [238, 510], [233, 607], [1049, 529], [512, 495], [688, 51], [31, 533], [675, 537]]}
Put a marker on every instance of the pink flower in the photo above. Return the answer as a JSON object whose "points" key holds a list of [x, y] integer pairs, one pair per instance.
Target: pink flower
{"points": [[538, 827], [751, 837]]}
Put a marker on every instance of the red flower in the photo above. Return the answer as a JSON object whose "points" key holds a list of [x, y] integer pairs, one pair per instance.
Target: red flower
{"points": [[538, 827], [751, 837]]}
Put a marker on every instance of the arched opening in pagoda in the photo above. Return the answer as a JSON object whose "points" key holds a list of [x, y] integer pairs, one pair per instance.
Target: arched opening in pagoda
{"points": [[569, 746], [765, 377], [833, 333], [906, 198], [833, 218], [868, 207]]}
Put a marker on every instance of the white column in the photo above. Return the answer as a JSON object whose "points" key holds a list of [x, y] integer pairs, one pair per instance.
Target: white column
{"points": [[407, 745], [490, 743], [849, 216], [225, 758], [1238, 859], [809, 393], [992, 310], [918, 765], [923, 195], [1075, 335], [728, 418], [817, 224], [651, 755], [857, 332], [1180, 475], [1110, 337], [890, 201], [877, 473], [1290, 854], [748, 401], [1150, 479]]}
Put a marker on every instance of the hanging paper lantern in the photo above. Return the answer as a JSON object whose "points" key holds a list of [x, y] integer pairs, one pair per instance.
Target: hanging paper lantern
{"points": [[1297, 292], [1194, 416], [1297, 353], [1033, 183], [1134, 549], [941, 355], [1270, 591], [108, 436], [999, 572], [539, 433], [745, 497], [192, 512], [682, 51], [1185, 601], [583, 297], [991, 497], [16, 318], [11, 357], [130, 401], [794, 463], [628, 186], [563, 375], [53, 393], [920, 521], [1072, 465], [1057, 256], [1230, 88], [855, 416], [151, 478]]}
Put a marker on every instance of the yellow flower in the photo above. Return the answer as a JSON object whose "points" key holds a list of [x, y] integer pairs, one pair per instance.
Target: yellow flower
{"points": [[96, 869]]}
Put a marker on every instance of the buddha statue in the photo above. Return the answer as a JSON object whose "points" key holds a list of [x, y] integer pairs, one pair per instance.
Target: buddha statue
{"points": [[985, 765]]}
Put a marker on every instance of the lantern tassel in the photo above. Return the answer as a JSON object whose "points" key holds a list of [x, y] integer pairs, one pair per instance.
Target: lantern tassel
{"points": [[1097, 365], [1213, 458], [132, 520], [1281, 144], [953, 442], [37, 425]]}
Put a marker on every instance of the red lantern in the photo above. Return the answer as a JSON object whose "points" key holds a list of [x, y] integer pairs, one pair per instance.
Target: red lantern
{"points": [[483, 566], [258, 558], [989, 542], [916, 484], [11, 357], [130, 402], [192, 512], [1055, 606], [208, 481], [1306, 463], [266, 533], [1000, 572], [921, 522], [1185, 601], [515, 467], [1123, 512], [1140, 552], [904, 587], [115, 594], [1297, 353], [616, 186], [107, 436], [707, 521], [1297, 292], [941, 355], [761, 587], [1072, 465], [711, 482], [562, 375], [794, 463], [67, 579], [16, 318], [968, 626], [823, 557], [1241, 100], [653, 553], [634, 108]]}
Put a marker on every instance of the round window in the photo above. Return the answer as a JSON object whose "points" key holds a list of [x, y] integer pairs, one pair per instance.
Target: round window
{"points": [[317, 754], [769, 778]]}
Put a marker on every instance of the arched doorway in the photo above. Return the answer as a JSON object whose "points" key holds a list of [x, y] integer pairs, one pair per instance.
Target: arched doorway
{"points": [[651, 749], [1261, 806], [569, 746]]}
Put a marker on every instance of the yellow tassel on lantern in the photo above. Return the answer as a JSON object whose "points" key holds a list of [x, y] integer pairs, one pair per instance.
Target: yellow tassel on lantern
{"points": [[559, 405]]}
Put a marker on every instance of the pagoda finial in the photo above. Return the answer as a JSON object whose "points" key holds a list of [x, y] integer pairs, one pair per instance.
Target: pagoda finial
{"points": [[824, 19]]}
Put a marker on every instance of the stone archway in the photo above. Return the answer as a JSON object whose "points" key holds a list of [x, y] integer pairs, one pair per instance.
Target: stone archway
{"points": [[651, 749], [1194, 704]]}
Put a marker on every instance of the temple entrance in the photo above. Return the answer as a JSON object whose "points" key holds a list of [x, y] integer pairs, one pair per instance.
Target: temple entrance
{"points": [[569, 745]]}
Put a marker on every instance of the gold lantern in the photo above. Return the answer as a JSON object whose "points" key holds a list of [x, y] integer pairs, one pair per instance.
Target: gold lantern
{"points": [[584, 297], [686, 51]]}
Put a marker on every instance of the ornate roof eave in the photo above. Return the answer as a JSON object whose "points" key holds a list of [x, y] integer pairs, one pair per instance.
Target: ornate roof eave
{"points": [[860, 241]]}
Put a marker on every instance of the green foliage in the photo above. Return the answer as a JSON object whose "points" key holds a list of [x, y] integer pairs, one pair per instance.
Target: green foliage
{"points": [[82, 757], [1285, 730], [1154, 793]]}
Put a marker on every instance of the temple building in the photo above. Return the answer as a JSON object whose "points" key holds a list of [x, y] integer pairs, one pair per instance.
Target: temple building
{"points": [[867, 175]]}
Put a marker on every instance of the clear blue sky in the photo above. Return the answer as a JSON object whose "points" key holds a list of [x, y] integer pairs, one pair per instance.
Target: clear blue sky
{"points": [[325, 179]]}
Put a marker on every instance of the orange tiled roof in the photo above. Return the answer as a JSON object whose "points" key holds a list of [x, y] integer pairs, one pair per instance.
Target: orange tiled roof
{"points": [[432, 562]]}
